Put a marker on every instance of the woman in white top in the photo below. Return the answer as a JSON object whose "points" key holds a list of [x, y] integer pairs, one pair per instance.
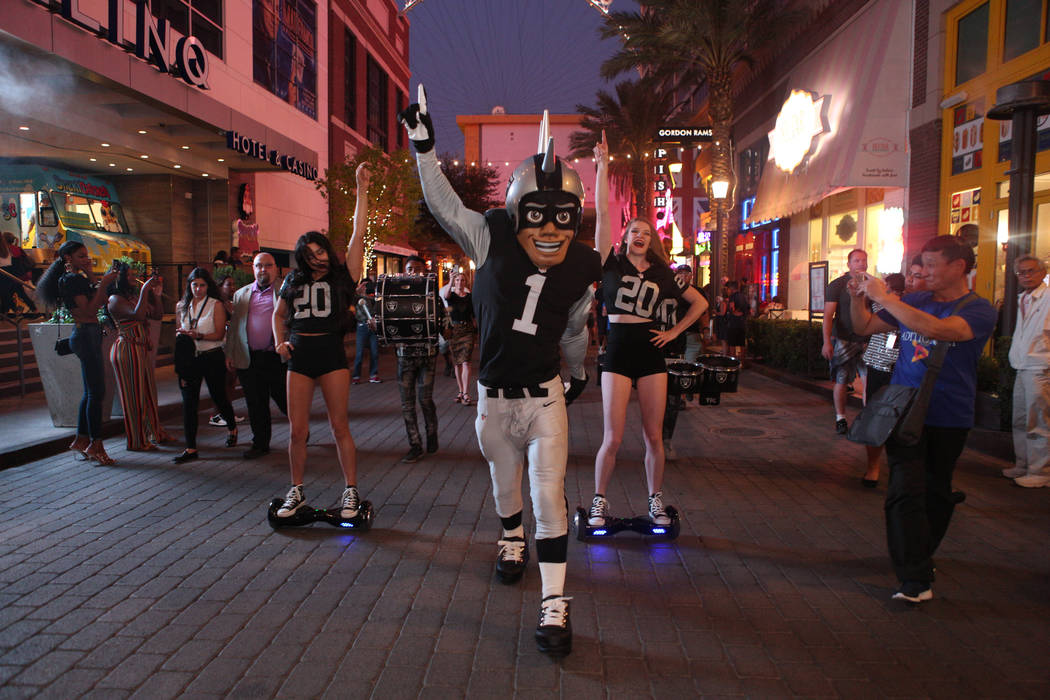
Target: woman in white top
{"points": [[202, 317]]}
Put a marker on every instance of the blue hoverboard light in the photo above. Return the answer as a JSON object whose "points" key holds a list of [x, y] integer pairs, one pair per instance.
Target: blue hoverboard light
{"points": [[659, 531], [600, 532], [346, 524]]}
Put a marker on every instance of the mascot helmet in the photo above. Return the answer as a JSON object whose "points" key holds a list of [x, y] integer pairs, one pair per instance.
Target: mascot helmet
{"points": [[543, 172]]}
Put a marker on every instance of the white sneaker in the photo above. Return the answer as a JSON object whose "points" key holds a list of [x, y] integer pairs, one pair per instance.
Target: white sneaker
{"points": [[669, 454], [351, 503], [599, 509], [292, 502], [217, 420], [1033, 481], [1014, 472], [657, 514]]}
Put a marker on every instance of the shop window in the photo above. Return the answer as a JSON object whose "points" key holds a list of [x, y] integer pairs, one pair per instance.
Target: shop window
{"points": [[1042, 184], [199, 18], [284, 51], [971, 45], [842, 238], [378, 117], [1021, 33], [349, 78], [816, 237]]}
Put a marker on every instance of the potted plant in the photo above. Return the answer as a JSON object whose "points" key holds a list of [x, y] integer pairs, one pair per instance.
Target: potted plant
{"points": [[60, 374]]}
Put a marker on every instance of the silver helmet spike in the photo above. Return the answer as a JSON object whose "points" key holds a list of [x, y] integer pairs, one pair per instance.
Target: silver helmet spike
{"points": [[545, 132], [549, 159]]}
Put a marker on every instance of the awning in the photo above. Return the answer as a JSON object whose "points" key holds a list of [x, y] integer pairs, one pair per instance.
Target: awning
{"points": [[862, 72]]}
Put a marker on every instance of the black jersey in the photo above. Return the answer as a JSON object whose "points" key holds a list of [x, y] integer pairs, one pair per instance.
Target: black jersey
{"points": [[320, 306], [522, 312], [72, 285], [628, 291]]}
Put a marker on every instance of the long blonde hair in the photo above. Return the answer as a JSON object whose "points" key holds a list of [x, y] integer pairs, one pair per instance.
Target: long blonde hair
{"points": [[656, 252]]}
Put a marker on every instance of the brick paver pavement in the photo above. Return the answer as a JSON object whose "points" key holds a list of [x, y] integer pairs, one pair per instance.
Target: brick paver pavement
{"points": [[153, 580]]}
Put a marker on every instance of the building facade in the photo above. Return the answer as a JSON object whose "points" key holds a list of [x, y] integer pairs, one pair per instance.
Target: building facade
{"points": [[206, 118], [989, 44]]}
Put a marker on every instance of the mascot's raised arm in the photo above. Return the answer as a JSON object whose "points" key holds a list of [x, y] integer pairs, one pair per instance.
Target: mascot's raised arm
{"points": [[532, 293]]}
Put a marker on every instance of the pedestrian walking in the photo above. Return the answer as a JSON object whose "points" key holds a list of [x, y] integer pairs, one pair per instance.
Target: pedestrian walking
{"points": [[919, 499]]}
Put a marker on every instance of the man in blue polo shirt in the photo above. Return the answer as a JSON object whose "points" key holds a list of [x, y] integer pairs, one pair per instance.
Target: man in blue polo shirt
{"points": [[919, 501]]}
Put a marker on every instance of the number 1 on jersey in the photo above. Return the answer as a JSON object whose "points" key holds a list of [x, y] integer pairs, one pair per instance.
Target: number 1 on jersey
{"points": [[524, 323]]}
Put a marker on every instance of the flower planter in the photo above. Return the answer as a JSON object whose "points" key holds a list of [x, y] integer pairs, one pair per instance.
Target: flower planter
{"points": [[61, 376]]}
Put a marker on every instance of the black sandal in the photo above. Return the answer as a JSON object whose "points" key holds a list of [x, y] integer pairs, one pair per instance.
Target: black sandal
{"points": [[231, 439], [186, 456]]}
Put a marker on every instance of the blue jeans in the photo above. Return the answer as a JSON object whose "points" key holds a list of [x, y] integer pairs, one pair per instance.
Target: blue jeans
{"points": [[366, 335], [86, 342]]}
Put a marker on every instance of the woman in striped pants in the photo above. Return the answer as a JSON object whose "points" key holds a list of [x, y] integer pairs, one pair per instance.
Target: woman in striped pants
{"points": [[131, 359]]}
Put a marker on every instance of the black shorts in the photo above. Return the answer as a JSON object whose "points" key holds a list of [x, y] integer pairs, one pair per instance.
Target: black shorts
{"points": [[317, 355], [629, 351]]}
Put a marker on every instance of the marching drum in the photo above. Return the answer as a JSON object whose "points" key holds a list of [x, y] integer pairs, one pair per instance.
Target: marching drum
{"points": [[406, 309], [682, 377], [718, 374]]}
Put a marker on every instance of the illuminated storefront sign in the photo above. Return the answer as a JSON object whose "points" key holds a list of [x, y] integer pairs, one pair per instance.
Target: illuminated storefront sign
{"points": [[800, 121], [257, 149], [152, 38], [679, 134]]}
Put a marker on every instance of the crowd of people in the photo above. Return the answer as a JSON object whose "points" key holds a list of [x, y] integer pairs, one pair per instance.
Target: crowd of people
{"points": [[529, 310]]}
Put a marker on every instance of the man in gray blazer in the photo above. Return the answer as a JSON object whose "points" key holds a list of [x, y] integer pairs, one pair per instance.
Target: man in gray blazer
{"points": [[250, 350]]}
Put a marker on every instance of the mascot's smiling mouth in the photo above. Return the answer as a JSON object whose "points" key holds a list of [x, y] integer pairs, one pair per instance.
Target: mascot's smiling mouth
{"points": [[548, 246]]}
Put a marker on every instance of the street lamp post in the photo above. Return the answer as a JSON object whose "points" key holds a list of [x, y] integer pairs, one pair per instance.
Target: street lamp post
{"points": [[719, 193], [1021, 103]]}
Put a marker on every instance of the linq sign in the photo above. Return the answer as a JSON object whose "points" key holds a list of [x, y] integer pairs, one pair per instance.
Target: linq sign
{"points": [[679, 134], [152, 38]]}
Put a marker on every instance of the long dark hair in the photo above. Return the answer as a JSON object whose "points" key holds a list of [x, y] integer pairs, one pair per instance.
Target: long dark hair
{"points": [[47, 286], [199, 273], [655, 254], [302, 254]]}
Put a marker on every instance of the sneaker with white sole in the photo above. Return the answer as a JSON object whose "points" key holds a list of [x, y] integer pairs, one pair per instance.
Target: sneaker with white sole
{"points": [[599, 509], [554, 631], [217, 420], [295, 500], [1014, 472], [351, 505], [511, 559], [914, 592], [657, 513], [1033, 481]]}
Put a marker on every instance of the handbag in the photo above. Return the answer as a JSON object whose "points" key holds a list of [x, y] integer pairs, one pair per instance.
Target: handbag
{"points": [[184, 354], [62, 346], [902, 409]]}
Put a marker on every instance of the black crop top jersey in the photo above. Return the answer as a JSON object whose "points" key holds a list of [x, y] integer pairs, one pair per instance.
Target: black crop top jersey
{"points": [[627, 291], [460, 308], [522, 312], [72, 285], [321, 306]]}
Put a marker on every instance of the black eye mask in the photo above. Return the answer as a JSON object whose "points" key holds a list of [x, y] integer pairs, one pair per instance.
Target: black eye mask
{"points": [[542, 208]]}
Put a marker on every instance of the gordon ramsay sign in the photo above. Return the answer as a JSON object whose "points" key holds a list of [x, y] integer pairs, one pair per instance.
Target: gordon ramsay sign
{"points": [[152, 36]]}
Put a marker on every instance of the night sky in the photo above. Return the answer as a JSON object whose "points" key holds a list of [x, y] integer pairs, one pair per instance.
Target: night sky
{"points": [[526, 55]]}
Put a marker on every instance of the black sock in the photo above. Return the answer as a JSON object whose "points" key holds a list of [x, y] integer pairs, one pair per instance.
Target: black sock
{"points": [[511, 522]]}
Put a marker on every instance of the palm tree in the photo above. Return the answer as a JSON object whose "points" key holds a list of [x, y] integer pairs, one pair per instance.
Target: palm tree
{"points": [[630, 120], [691, 44]]}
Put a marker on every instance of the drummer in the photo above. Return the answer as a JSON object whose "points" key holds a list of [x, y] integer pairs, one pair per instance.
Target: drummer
{"points": [[415, 376], [636, 280]]}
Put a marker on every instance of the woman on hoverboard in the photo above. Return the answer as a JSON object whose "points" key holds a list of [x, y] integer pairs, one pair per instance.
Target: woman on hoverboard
{"points": [[309, 323]]}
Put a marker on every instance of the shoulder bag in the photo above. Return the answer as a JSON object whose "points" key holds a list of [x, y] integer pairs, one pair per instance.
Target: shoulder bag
{"points": [[902, 409]]}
